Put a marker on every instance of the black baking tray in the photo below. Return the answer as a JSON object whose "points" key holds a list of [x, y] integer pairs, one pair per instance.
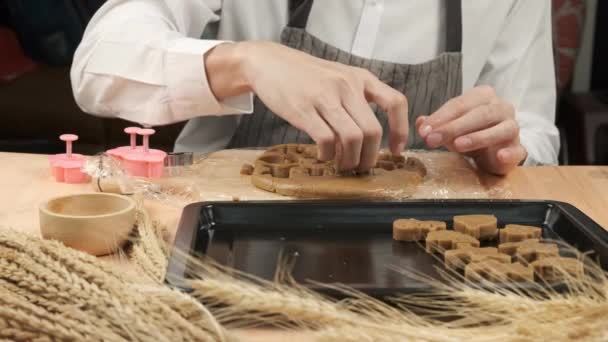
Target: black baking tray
{"points": [[351, 242]]}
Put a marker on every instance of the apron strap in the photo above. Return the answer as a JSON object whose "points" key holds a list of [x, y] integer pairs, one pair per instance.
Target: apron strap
{"points": [[453, 25], [299, 10]]}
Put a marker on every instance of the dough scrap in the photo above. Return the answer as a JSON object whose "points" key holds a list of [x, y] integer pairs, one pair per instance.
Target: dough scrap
{"points": [[481, 227], [443, 240], [518, 232], [555, 269], [415, 230], [458, 258], [293, 170], [495, 271]]}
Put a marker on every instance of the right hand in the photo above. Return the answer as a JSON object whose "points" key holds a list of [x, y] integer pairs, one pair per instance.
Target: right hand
{"points": [[327, 100]]}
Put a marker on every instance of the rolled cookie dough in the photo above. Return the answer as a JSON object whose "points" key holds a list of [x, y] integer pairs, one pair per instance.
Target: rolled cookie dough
{"points": [[481, 227], [558, 268], [459, 258], [511, 247], [495, 271], [414, 230], [443, 240], [293, 170], [518, 232], [532, 251]]}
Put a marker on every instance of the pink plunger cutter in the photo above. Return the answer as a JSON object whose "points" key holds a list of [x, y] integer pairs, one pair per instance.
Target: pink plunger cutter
{"points": [[120, 151], [140, 161], [67, 167]]}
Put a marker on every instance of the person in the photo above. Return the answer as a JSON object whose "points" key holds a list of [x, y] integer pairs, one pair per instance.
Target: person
{"points": [[471, 76]]}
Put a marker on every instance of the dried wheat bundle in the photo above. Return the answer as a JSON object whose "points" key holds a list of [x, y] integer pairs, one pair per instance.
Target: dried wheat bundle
{"points": [[48, 291]]}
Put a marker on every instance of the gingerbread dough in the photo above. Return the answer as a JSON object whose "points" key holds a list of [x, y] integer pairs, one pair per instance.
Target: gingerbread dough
{"points": [[481, 227], [510, 248], [459, 258], [415, 230], [518, 232], [443, 240], [495, 271], [532, 251], [293, 170], [558, 268]]}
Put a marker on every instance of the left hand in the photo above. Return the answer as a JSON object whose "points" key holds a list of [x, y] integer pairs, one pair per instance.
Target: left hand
{"points": [[478, 124]]}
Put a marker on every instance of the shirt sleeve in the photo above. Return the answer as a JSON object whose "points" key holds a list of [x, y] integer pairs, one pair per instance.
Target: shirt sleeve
{"points": [[521, 68], [143, 61]]}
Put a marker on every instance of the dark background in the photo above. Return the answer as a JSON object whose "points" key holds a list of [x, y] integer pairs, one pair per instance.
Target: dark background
{"points": [[38, 39], [36, 101], [599, 77]]}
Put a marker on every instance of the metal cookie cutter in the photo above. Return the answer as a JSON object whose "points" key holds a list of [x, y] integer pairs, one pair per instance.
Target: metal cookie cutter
{"points": [[177, 163], [179, 159]]}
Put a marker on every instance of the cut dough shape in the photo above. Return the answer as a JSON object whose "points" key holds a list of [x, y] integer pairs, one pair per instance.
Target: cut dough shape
{"points": [[495, 271], [558, 268], [457, 259], [443, 240], [518, 232], [510, 248], [293, 170], [481, 227], [534, 250], [415, 230]]}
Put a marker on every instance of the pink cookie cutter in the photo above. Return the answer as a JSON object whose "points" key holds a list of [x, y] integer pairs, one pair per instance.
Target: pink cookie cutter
{"points": [[140, 161], [67, 167]]}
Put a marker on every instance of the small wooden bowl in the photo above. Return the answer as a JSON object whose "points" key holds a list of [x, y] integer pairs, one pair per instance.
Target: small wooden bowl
{"points": [[96, 223]]}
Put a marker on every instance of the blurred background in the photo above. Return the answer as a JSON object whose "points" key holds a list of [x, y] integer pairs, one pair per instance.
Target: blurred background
{"points": [[38, 39]]}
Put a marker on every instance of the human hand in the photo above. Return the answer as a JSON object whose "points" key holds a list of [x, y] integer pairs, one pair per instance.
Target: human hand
{"points": [[478, 124], [325, 99]]}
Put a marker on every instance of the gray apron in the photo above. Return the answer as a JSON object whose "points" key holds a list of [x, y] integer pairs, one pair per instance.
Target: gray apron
{"points": [[427, 85]]}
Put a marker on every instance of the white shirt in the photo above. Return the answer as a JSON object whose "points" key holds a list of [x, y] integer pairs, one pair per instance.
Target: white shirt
{"points": [[142, 60]]}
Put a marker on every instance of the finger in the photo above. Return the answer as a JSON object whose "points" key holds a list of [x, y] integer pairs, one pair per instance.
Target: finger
{"points": [[420, 120], [365, 118], [500, 160], [505, 159], [511, 155], [322, 135], [348, 132], [395, 105], [339, 154], [479, 118], [501, 133], [456, 107]]}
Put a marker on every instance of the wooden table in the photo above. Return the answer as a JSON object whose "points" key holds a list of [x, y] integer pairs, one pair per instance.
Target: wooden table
{"points": [[25, 184]]}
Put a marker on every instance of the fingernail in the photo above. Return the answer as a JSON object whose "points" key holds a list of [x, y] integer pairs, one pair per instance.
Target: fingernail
{"points": [[463, 143], [400, 147], [434, 139], [424, 130]]}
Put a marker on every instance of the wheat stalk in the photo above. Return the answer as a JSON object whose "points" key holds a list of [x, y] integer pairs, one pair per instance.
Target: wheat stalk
{"points": [[149, 250], [455, 310]]}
